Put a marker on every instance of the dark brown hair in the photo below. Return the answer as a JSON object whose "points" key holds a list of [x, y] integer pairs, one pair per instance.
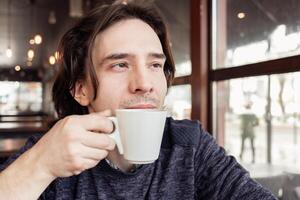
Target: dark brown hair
{"points": [[76, 46]]}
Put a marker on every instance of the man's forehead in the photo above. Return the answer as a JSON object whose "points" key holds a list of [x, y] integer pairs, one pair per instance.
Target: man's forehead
{"points": [[128, 36]]}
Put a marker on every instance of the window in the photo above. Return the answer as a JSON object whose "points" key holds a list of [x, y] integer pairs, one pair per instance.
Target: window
{"points": [[255, 62], [16, 97], [245, 112], [254, 31], [178, 101], [177, 17]]}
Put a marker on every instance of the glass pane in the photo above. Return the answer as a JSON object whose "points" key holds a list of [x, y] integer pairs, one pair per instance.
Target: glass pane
{"points": [[258, 121], [252, 31], [178, 101], [177, 16], [16, 97]]}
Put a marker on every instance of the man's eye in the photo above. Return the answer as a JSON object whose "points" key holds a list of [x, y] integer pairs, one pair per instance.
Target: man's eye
{"points": [[157, 65], [120, 65]]}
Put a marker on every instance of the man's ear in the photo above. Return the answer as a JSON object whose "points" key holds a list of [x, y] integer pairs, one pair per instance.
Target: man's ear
{"points": [[80, 93]]}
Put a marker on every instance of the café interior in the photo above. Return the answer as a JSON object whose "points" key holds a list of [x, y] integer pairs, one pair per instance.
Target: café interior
{"points": [[232, 57]]}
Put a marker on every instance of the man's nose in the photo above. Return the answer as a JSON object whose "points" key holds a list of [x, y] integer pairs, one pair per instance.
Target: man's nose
{"points": [[140, 82]]}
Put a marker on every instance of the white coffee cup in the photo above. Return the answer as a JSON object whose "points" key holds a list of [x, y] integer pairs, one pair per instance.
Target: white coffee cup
{"points": [[138, 133]]}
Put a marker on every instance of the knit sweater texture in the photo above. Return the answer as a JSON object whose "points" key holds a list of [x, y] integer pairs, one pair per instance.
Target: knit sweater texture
{"points": [[191, 165]]}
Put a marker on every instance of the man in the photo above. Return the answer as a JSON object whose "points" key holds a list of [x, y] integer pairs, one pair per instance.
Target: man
{"points": [[248, 122], [119, 57]]}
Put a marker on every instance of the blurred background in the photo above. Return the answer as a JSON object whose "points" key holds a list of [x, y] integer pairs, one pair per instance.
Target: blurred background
{"points": [[238, 72]]}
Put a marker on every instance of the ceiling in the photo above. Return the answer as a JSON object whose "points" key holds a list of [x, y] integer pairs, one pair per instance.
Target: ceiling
{"points": [[29, 17]]}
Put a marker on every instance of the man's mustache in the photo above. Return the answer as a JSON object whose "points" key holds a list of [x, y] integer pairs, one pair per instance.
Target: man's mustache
{"points": [[140, 100]]}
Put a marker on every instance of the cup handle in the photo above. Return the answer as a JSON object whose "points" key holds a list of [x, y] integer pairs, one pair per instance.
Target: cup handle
{"points": [[115, 135]]}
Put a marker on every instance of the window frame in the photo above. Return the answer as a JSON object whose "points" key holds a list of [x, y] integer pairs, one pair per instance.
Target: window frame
{"points": [[203, 75]]}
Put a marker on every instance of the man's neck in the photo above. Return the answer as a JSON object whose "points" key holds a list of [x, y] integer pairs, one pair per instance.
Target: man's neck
{"points": [[117, 161]]}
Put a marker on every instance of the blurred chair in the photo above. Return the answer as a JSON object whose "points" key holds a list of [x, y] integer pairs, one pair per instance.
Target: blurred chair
{"points": [[285, 186], [274, 183], [291, 189]]}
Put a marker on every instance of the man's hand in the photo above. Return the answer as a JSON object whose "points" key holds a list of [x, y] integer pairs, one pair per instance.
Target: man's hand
{"points": [[75, 143]]}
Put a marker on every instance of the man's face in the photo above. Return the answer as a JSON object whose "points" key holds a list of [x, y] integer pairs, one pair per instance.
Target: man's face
{"points": [[129, 61]]}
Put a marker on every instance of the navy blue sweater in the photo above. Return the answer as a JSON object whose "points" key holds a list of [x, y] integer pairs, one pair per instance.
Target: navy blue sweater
{"points": [[190, 166]]}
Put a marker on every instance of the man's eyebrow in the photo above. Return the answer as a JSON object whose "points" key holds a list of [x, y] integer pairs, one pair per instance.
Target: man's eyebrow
{"points": [[116, 56], [157, 55]]}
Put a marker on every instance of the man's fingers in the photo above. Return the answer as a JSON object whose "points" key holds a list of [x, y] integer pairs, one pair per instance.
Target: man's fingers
{"points": [[84, 164], [97, 122], [94, 154], [106, 113], [98, 140]]}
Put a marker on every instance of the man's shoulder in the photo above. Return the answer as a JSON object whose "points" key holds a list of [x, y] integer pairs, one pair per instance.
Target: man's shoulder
{"points": [[182, 132]]}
